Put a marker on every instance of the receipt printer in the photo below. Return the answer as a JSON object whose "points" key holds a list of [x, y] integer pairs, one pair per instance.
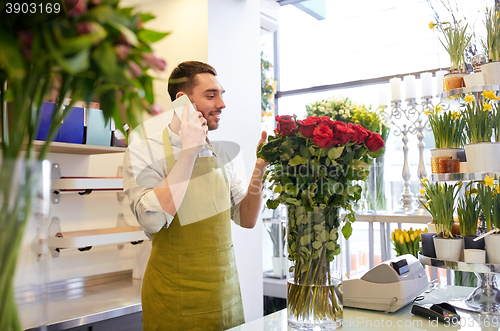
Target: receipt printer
{"points": [[388, 286]]}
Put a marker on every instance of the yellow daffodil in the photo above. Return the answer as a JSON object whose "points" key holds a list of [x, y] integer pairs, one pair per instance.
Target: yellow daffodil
{"points": [[460, 183], [486, 106], [488, 94], [488, 181], [422, 191], [424, 180], [438, 109], [427, 112], [473, 191], [432, 26], [469, 98]]}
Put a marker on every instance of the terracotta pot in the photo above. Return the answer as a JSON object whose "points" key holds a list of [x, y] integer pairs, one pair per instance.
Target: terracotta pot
{"points": [[453, 80]]}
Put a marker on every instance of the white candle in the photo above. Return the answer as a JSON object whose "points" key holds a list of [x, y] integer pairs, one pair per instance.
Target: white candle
{"points": [[410, 86], [382, 95], [395, 89], [439, 81], [426, 80]]}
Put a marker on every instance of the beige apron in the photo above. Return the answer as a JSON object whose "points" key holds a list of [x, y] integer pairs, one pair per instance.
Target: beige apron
{"points": [[191, 280]]}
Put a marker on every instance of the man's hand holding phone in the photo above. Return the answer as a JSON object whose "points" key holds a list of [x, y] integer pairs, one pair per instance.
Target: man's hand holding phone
{"points": [[193, 130]]}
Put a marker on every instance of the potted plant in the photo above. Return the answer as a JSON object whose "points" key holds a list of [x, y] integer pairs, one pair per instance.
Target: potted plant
{"points": [[481, 114], [455, 40], [489, 200], [468, 210], [491, 69], [447, 128], [440, 200], [277, 233], [314, 164], [91, 51]]}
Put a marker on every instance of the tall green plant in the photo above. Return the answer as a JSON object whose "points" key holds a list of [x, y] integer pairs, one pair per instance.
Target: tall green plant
{"points": [[455, 40], [492, 25], [440, 204], [93, 51], [447, 128], [479, 116], [468, 211], [485, 190]]}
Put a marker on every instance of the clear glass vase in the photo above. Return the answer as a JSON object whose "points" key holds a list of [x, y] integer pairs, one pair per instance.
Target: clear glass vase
{"points": [[24, 203], [314, 281]]}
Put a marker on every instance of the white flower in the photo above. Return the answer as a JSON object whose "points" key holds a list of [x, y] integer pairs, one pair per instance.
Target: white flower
{"points": [[321, 108], [341, 111], [315, 108], [335, 113], [344, 116]]}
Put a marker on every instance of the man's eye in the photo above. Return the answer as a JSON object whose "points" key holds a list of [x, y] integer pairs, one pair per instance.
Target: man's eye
{"points": [[210, 96]]}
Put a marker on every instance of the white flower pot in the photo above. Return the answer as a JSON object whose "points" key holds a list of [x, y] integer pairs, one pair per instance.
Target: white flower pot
{"points": [[493, 248], [448, 249], [474, 79], [436, 152], [483, 157], [474, 255], [491, 73]]}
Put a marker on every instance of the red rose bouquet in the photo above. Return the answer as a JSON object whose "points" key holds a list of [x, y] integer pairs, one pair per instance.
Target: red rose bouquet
{"points": [[314, 166]]}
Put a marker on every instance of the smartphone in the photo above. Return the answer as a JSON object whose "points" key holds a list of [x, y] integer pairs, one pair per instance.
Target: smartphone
{"points": [[179, 103]]}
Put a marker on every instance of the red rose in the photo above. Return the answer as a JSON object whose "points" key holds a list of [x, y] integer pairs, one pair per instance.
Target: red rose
{"points": [[323, 136], [286, 125], [360, 133], [374, 142], [342, 133], [325, 120], [307, 126]]}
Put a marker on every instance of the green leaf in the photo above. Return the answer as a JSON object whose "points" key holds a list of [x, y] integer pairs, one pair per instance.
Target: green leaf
{"points": [[76, 44], [331, 246], [150, 36], [377, 153], [347, 230], [11, 58], [305, 240], [335, 152], [293, 201], [317, 244], [146, 17], [304, 151], [297, 160], [333, 234]]}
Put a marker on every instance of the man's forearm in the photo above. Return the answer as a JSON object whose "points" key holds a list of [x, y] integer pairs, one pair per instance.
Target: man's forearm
{"points": [[251, 204], [172, 190]]}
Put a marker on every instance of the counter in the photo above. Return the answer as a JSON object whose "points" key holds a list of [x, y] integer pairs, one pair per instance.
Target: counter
{"points": [[362, 320]]}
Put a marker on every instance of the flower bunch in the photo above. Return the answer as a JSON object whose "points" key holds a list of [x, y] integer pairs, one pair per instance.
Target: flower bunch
{"points": [[455, 42], [468, 211], [447, 127], [440, 204], [489, 201], [481, 116], [407, 241], [267, 87], [314, 164], [338, 108], [314, 161]]}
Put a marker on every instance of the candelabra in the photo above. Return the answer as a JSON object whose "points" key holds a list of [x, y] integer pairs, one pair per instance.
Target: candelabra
{"points": [[411, 120]]}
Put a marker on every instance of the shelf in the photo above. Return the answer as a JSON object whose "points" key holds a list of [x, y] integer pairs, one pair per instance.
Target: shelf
{"points": [[455, 96], [460, 266], [461, 176], [393, 218], [65, 184], [80, 149], [88, 238]]}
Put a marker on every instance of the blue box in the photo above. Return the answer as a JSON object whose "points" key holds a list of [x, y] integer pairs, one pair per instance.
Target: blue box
{"points": [[72, 128], [98, 131], [44, 119]]}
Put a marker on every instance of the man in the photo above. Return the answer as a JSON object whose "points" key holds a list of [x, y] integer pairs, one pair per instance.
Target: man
{"points": [[185, 203]]}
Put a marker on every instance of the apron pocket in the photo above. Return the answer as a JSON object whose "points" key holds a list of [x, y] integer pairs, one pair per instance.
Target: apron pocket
{"points": [[209, 281]]}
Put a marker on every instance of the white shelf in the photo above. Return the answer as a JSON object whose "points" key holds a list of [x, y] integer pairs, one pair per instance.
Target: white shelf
{"points": [[454, 177], [84, 183], [66, 148], [456, 96], [86, 238], [393, 218]]}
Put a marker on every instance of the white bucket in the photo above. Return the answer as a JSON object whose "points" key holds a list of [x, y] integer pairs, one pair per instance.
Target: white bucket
{"points": [[491, 73], [435, 152], [474, 79], [493, 248], [448, 249], [483, 157]]}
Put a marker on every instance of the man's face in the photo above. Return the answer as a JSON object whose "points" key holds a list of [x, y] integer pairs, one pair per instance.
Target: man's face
{"points": [[207, 98]]}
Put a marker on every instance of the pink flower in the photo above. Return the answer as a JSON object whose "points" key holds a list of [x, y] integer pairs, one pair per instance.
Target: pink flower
{"points": [[85, 27], [135, 70], [156, 109], [78, 8], [153, 62], [122, 52]]}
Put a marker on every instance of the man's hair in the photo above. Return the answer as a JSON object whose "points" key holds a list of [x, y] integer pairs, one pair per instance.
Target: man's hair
{"points": [[183, 77]]}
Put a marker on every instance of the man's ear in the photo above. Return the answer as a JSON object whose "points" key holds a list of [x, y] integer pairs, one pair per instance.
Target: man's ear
{"points": [[179, 94]]}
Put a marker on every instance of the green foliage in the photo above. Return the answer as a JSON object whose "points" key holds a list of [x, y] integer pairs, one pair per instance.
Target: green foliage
{"points": [[447, 127], [481, 116], [468, 211], [267, 87], [492, 24], [455, 42], [440, 199]]}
